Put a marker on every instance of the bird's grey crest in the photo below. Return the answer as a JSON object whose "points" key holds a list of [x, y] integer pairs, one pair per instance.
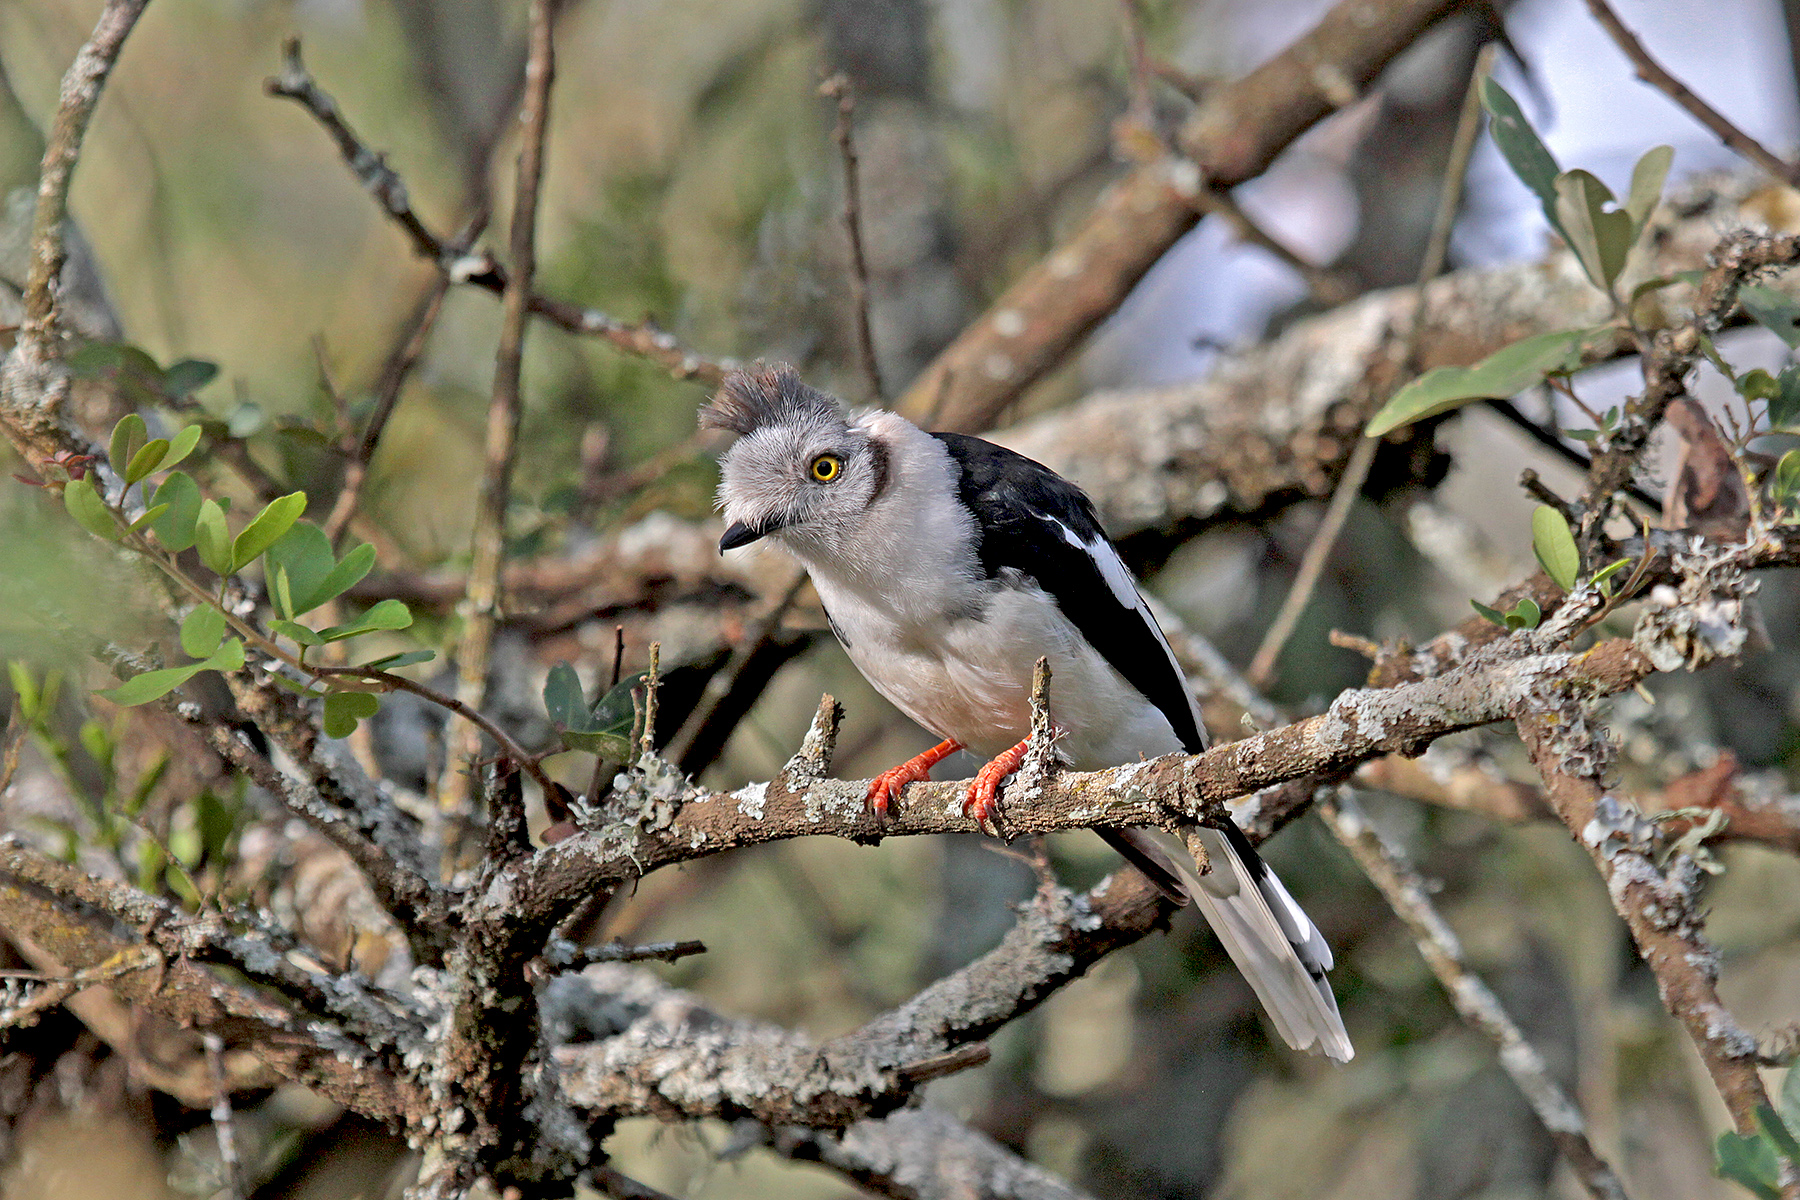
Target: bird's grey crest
{"points": [[764, 395]]}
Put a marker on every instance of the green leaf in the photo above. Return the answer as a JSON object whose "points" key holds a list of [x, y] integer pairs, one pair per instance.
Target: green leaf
{"points": [[1749, 1162], [182, 445], [303, 557], [25, 689], [1603, 577], [146, 460], [1784, 406], [387, 614], [1601, 239], [150, 685], [89, 510], [564, 700], [344, 709], [615, 746], [180, 495], [392, 661], [1773, 311], [1504, 373], [148, 515], [298, 632], [1520, 146], [1647, 179], [188, 376], [1786, 488], [342, 577], [202, 630], [1789, 1099], [1758, 384], [1492, 615], [276, 518], [127, 437], [1554, 544], [229, 657], [1778, 1133], [1525, 614], [313, 575], [212, 538]]}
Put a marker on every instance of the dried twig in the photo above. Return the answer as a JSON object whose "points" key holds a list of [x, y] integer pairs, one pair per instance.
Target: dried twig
{"points": [[1652, 73], [722, 687], [838, 87], [487, 544]]}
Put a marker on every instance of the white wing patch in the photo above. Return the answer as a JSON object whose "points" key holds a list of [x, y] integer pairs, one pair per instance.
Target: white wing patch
{"points": [[1125, 590]]}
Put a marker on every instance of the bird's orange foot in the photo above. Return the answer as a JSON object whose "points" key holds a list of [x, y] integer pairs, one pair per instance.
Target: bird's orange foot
{"points": [[983, 802], [885, 787]]}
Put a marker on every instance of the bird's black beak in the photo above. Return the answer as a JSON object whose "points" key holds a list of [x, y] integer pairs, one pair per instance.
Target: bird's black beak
{"points": [[741, 534]]}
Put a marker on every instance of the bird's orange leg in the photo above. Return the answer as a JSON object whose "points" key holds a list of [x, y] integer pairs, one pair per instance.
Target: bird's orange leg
{"points": [[886, 786], [983, 802]]}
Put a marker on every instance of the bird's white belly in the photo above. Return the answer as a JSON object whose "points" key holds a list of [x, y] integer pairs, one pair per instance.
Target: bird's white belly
{"points": [[970, 679]]}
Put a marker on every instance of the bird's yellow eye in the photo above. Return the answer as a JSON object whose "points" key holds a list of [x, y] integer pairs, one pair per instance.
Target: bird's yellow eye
{"points": [[827, 467]]}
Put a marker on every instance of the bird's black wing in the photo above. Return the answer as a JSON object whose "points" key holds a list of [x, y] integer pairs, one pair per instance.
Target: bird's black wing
{"points": [[1033, 521]]}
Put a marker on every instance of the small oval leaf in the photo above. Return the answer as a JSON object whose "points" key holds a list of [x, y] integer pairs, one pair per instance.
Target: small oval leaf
{"points": [[212, 538], [84, 504], [127, 437], [1554, 544], [179, 496], [150, 685], [181, 445], [344, 709], [202, 631], [276, 518], [147, 459]]}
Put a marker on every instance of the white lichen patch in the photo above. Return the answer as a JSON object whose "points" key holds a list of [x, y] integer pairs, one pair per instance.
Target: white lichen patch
{"points": [[750, 800]]}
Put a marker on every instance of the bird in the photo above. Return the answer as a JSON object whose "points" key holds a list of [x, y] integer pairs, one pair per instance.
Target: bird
{"points": [[947, 565]]}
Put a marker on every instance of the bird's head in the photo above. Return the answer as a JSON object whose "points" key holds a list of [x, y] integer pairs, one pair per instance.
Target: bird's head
{"points": [[800, 468]]}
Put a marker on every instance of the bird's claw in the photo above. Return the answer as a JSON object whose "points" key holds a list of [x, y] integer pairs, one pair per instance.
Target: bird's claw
{"points": [[885, 788], [982, 805]]}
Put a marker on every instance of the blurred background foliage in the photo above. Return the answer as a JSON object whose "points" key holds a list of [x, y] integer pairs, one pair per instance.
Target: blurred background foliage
{"points": [[692, 179]]}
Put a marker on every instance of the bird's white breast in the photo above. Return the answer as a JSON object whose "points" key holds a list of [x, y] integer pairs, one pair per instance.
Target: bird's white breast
{"points": [[954, 650]]}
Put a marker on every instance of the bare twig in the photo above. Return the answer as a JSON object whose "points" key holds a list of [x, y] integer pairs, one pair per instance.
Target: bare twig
{"points": [[399, 366], [838, 88], [1328, 287], [478, 269], [223, 1125], [1356, 471], [488, 542], [1652, 73], [1410, 897]]}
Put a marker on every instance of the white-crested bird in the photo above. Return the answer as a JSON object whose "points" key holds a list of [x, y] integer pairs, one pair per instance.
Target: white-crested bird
{"points": [[947, 566]]}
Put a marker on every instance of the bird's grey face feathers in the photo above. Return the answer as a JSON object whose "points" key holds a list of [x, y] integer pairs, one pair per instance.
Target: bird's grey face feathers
{"points": [[799, 468]]}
